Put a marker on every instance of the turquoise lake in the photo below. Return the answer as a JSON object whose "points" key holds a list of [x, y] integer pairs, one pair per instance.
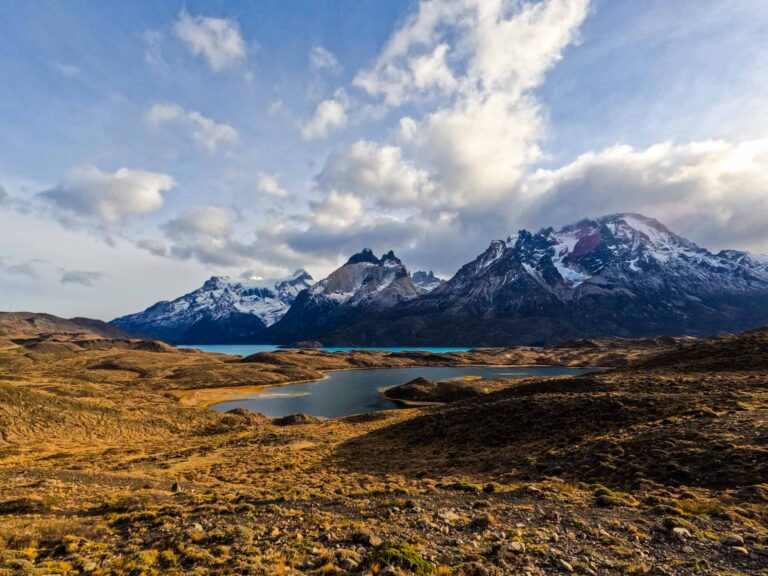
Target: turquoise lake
{"points": [[248, 349]]}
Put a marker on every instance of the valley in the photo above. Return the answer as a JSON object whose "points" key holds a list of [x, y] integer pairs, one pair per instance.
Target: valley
{"points": [[110, 465]]}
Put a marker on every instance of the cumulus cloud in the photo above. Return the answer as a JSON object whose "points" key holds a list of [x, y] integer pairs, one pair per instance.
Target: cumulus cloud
{"points": [[455, 167], [204, 233], [712, 191], [323, 59], [402, 71], [269, 184], [329, 114], [218, 40], [376, 172], [81, 277], [482, 62], [89, 195], [204, 131], [483, 141]]}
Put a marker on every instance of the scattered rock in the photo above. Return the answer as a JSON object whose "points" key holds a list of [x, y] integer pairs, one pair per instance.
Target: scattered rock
{"points": [[732, 540], [294, 420], [482, 522], [511, 549]]}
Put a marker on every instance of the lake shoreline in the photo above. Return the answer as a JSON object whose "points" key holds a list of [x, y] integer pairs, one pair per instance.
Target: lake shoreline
{"points": [[208, 398]]}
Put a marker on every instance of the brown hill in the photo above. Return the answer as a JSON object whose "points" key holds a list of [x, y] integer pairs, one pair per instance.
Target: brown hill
{"points": [[696, 416], [31, 324]]}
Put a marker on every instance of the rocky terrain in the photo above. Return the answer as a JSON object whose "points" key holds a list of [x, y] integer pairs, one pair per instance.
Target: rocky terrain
{"points": [[364, 286], [109, 466]]}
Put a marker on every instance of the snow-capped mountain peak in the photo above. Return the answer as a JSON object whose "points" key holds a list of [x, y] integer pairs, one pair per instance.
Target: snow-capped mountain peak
{"points": [[361, 278], [219, 304], [426, 282]]}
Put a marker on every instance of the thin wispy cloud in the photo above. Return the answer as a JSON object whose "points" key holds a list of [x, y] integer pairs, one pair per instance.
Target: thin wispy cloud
{"points": [[84, 278], [205, 131], [218, 40], [323, 59]]}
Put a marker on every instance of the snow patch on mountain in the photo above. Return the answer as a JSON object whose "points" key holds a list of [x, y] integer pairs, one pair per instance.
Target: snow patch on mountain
{"points": [[426, 282], [218, 301]]}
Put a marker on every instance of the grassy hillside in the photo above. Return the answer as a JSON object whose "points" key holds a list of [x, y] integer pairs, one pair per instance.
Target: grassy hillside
{"points": [[109, 466]]}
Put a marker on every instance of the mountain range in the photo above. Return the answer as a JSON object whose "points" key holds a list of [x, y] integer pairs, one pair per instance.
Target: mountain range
{"points": [[622, 275], [222, 311]]}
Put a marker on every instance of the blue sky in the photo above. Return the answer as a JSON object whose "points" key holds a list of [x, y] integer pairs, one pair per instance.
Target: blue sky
{"points": [[147, 145]]}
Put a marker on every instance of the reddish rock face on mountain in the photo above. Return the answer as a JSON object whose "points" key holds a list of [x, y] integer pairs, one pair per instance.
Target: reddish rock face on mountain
{"points": [[619, 275]]}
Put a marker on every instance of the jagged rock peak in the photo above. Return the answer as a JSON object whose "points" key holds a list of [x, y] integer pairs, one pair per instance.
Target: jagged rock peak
{"points": [[390, 257], [426, 281], [365, 255], [215, 282], [299, 276]]}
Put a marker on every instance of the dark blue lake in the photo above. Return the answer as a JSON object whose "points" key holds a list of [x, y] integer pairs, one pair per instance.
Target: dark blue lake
{"points": [[355, 391]]}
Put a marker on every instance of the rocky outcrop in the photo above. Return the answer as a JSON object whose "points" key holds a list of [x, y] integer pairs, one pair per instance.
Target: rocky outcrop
{"points": [[363, 287]]}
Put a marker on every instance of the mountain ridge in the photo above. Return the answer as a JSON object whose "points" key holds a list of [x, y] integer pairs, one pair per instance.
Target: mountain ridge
{"points": [[622, 275], [221, 311], [619, 275]]}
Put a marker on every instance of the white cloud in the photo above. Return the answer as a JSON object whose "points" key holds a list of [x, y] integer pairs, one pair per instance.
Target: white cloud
{"points": [[713, 192], [456, 164], [323, 59], [481, 143], [217, 39], [269, 184], [160, 114], [81, 277], [204, 131], [337, 210], [380, 173], [203, 233], [329, 114], [393, 76], [89, 195]]}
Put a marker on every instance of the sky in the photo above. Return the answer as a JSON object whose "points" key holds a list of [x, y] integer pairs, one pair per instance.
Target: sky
{"points": [[145, 146]]}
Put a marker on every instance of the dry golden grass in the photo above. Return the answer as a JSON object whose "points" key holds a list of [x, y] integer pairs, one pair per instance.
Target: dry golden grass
{"points": [[104, 470]]}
